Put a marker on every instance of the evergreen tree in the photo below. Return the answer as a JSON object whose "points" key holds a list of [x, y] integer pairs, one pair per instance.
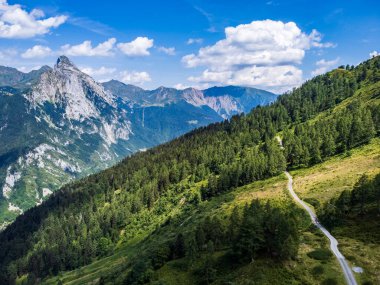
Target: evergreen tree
{"points": [[192, 249], [235, 223], [179, 249], [251, 236], [200, 237]]}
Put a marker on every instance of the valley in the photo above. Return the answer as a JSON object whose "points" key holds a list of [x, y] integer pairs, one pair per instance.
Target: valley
{"points": [[212, 206], [69, 126]]}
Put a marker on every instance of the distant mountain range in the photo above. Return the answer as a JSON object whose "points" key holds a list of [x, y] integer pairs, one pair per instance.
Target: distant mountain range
{"points": [[225, 101], [57, 124]]}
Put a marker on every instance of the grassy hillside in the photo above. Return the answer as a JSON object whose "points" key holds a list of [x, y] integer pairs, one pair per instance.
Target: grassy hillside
{"points": [[327, 180], [304, 269], [208, 207], [359, 237]]}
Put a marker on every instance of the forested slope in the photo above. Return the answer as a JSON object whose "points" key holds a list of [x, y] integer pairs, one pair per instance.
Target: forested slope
{"points": [[119, 207]]}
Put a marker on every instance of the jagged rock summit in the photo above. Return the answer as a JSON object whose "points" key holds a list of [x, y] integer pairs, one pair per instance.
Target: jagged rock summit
{"points": [[66, 86]]}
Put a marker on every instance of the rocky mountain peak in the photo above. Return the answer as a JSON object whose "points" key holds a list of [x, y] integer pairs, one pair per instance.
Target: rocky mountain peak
{"points": [[65, 85], [64, 61], [65, 66]]}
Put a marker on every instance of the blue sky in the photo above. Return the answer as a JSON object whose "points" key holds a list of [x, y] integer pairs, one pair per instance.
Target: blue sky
{"points": [[274, 45]]}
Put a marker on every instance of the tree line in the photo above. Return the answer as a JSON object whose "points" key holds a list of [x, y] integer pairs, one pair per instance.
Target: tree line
{"points": [[364, 197], [255, 230]]}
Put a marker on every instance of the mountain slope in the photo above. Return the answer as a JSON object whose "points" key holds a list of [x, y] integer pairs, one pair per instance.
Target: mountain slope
{"points": [[152, 208], [66, 126], [12, 77], [303, 270], [226, 101]]}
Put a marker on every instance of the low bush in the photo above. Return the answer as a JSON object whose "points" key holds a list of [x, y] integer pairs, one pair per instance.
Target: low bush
{"points": [[320, 254]]}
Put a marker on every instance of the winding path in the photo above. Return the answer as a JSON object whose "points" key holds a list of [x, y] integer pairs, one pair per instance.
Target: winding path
{"points": [[348, 274]]}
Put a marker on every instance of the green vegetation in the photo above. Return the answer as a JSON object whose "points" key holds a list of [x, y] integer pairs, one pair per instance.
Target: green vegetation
{"points": [[322, 182], [45, 149], [255, 231], [172, 214], [364, 199], [358, 235], [320, 254], [264, 268], [355, 215]]}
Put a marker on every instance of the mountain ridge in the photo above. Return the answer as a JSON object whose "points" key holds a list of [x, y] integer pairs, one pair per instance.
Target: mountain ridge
{"points": [[225, 100], [67, 125], [12, 77]]}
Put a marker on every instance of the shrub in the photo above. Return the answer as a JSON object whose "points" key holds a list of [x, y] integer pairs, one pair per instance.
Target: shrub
{"points": [[314, 202], [320, 254], [330, 281], [318, 270]]}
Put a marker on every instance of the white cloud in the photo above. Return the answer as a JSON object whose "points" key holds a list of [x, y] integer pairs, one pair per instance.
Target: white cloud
{"points": [[274, 78], [138, 47], [27, 69], [374, 53], [316, 38], [194, 41], [86, 49], [168, 51], [7, 54], [37, 51], [96, 72], [263, 54], [324, 65], [134, 77], [104, 73], [18, 23], [181, 86]]}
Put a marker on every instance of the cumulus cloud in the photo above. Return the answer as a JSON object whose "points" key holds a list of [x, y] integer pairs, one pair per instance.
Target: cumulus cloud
{"points": [[15, 22], [263, 54], [104, 73], [324, 65], [374, 54], [96, 72], [167, 50], [275, 78], [37, 51], [316, 40], [86, 49], [27, 69], [181, 86], [134, 77], [138, 47], [191, 41]]}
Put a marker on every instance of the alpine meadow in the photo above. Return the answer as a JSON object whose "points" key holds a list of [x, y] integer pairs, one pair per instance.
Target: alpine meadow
{"points": [[258, 164]]}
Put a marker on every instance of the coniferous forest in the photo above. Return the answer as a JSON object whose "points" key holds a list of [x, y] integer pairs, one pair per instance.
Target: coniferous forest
{"points": [[354, 203], [91, 218]]}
